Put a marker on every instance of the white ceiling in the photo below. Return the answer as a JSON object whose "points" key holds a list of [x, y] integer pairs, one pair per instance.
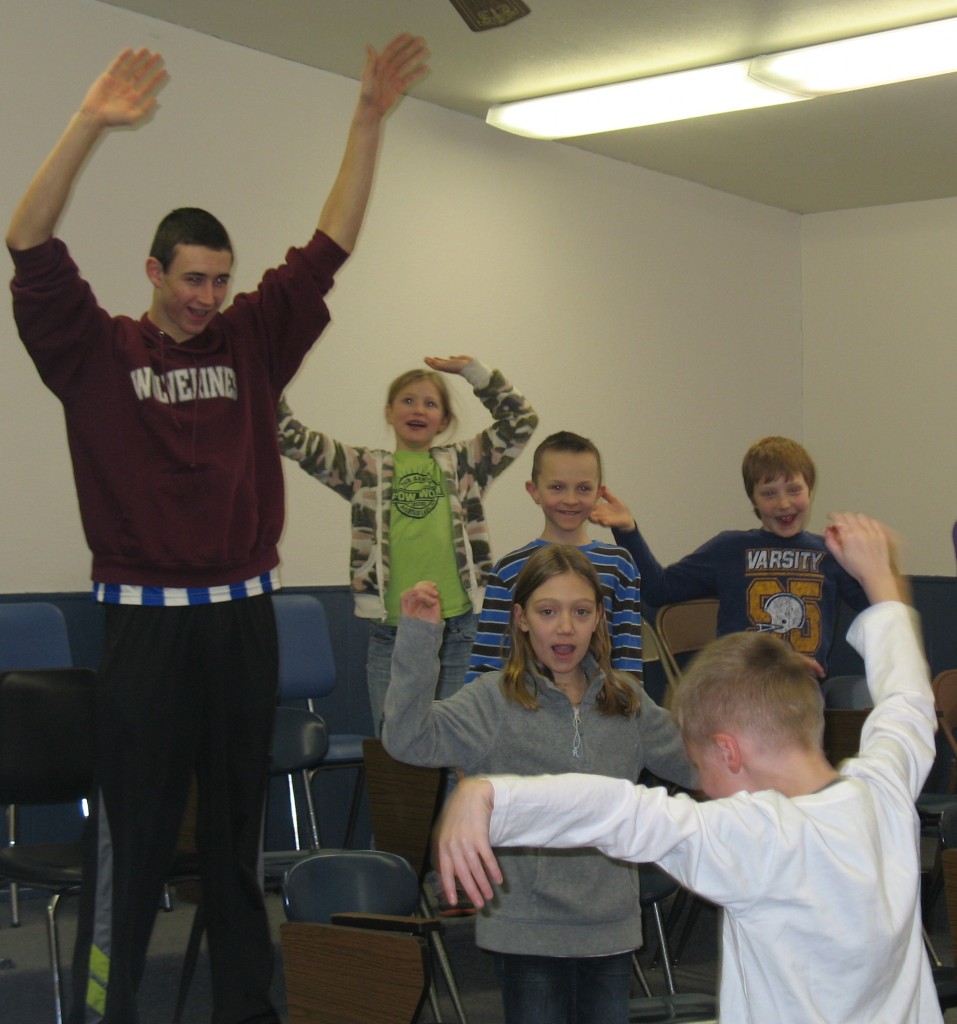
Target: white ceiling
{"points": [[887, 145]]}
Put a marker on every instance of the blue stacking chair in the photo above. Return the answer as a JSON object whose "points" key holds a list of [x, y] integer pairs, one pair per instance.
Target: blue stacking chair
{"points": [[307, 672]]}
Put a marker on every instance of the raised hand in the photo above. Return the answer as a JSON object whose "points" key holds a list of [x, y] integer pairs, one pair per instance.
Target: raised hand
{"points": [[612, 512], [126, 91], [865, 548], [122, 95], [387, 75], [422, 602], [461, 846], [450, 364]]}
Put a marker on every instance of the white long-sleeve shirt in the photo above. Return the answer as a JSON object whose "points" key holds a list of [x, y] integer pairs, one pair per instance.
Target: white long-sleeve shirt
{"points": [[821, 892]]}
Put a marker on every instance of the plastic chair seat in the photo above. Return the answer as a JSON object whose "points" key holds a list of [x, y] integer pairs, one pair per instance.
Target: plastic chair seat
{"points": [[50, 866]]}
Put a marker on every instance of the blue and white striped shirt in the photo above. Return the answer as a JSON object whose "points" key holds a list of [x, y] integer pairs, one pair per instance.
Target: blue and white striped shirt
{"points": [[167, 597]]}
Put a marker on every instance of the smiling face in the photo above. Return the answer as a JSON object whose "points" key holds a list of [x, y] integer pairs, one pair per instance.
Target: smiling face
{"points": [[566, 488], [560, 617], [190, 292], [417, 414], [782, 505]]}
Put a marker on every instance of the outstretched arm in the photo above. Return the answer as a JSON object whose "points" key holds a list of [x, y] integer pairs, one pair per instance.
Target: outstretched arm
{"points": [[462, 846], [385, 77], [123, 95]]}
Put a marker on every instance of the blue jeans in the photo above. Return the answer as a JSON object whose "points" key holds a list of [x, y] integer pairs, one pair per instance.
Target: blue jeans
{"points": [[564, 990], [453, 657]]}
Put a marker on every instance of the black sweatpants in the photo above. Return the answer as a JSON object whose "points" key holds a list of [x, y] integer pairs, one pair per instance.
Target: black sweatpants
{"points": [[181, 690]]}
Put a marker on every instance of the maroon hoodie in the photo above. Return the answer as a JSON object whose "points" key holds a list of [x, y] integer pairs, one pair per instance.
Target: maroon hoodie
{"points": [[174, 445]]}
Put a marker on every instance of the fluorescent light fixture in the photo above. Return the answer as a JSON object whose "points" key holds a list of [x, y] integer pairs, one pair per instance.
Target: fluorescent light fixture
{"points": [[608, 108], [916, 51], [897, 55]]}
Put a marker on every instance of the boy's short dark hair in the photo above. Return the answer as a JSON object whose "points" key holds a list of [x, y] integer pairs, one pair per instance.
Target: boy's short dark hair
{"points": [[188, 225], [564, 441], [754, 683], [773, 457]]}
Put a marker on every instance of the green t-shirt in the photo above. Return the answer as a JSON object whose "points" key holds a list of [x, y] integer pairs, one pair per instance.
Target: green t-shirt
{"points": [[421, 545]]}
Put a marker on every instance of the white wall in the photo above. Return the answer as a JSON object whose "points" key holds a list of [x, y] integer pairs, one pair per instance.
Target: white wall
{"points": [[880, 306], [658, 317]]}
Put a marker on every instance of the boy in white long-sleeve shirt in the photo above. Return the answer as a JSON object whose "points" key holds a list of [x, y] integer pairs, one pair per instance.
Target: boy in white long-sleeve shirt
{"points": [[818, 869]]}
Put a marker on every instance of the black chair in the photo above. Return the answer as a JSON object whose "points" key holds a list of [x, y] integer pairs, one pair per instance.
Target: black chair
{"points": [[307, 672], [375, 970], [47, 756], [33, 634]]}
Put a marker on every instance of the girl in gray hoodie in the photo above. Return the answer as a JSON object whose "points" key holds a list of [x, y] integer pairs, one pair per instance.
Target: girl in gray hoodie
{"points": [[565, 922]]}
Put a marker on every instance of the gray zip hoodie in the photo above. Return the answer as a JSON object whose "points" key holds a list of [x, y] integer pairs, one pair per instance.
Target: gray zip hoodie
{"points": [[553, 902]]}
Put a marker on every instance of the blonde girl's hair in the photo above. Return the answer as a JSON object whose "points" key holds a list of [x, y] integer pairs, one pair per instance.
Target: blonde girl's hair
{"points": [[618, 695], [437, 380]]}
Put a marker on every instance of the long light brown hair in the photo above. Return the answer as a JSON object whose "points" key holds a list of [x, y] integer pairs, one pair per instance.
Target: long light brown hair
{"points": [[618, 695]]}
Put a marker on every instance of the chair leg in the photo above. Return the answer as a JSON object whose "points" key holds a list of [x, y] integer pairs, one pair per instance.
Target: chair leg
{"points": [[13, 886], [694, 909], [315, 839], [434, 1000], [14, 904], [640, 975], [931, 952], [665, 951], [354, 807], [190, 961], [442, 956], [54, 946]]}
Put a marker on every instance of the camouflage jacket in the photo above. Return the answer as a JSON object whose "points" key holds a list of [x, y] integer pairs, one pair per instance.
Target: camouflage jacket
{"points": [[363, 476]]}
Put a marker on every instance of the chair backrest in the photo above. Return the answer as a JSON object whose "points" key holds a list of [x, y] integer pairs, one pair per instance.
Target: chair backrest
{"points": [[654, 671], [300, 741], [307, 668], [47, 735], [685, 628], [948, 831], [331, 882], [403, 802], [948, 864], [842, 732], [33, 634], [945, 697], [943, 775], [337, 975]]}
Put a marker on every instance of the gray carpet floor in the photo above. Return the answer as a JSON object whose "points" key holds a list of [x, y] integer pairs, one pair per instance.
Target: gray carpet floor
{"points": [[26, 989]]}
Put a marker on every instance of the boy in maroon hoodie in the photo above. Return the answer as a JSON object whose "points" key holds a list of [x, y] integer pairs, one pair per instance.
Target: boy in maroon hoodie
{"points": [[172, 429]]}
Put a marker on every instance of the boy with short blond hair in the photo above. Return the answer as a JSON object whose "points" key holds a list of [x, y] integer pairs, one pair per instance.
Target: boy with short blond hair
{"points": [[566, 484], [778, 579], [817, 869]]}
